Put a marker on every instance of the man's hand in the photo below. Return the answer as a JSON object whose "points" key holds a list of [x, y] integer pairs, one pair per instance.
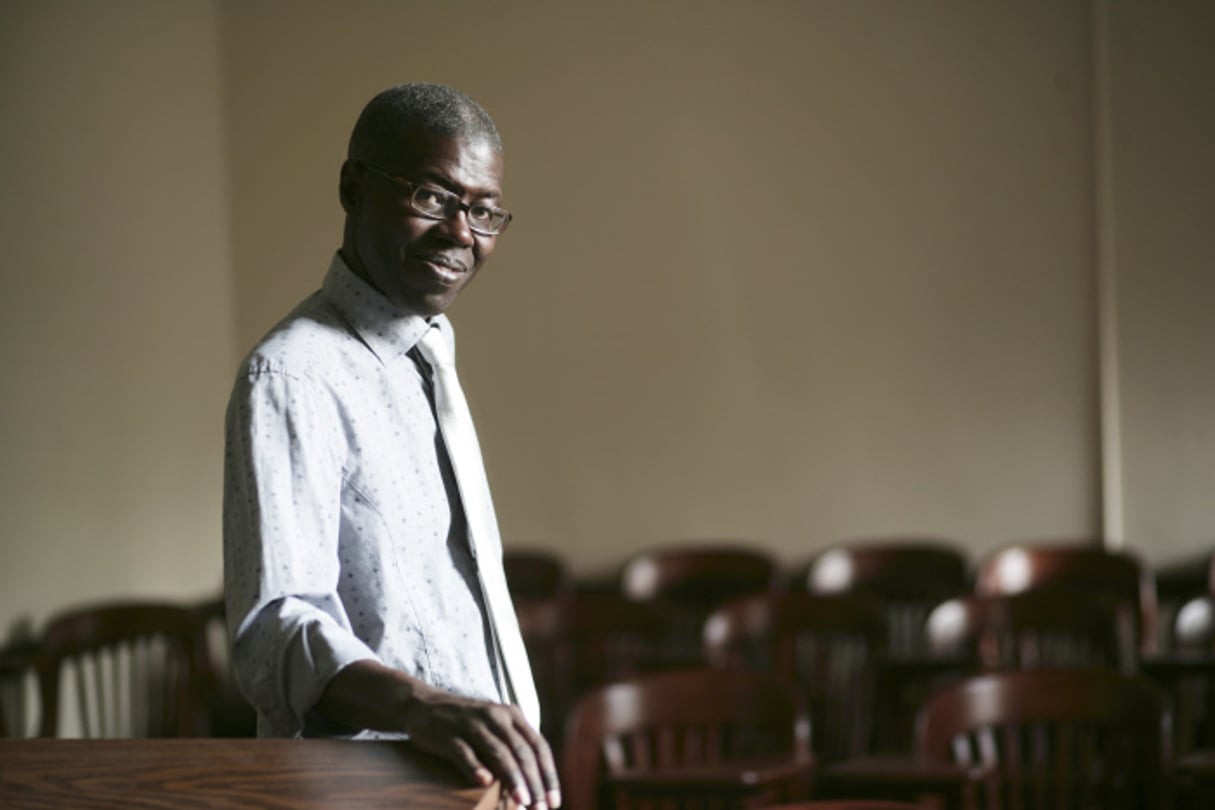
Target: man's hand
{"points": [[485, 740]]}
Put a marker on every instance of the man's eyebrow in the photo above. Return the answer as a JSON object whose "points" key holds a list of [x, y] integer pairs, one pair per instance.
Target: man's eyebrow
{"points": [[446, 182]]}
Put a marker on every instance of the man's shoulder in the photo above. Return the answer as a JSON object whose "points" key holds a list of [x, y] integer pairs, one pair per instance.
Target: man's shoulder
{"points": [[312, 340]]}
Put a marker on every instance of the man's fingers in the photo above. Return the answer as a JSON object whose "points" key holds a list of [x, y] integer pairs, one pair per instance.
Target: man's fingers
{"points": [[502, 762], [463, 755], [512, 755], [527, 757], [545, 761]]}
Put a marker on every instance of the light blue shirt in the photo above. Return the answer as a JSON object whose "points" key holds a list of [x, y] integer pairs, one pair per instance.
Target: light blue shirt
{"points": [[344, 539]]}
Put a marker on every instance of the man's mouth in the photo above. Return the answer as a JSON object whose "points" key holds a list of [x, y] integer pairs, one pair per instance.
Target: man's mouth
{"points": [[445, 261], [444, 268]]}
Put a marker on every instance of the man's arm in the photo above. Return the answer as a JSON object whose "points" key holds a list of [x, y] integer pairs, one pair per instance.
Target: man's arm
{"points": [[282, 484], [485, 740]]}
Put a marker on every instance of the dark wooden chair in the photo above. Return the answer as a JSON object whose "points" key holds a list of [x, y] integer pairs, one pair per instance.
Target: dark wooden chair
{"points": [[583, 640], [684, 738], [1079, 567], [848, 804], [1194, 627], [968, 634], [534, 574], [1177, 582], [1066, 739], [909, 575], [136, 669], [825, 646], [688, 580], [1046, 628], [18, 688], [1187, 674]]}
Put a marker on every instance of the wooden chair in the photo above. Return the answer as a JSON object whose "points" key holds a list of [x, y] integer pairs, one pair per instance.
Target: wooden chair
{"points": [[910, 576], [534, 574], [682, 738], [1187, 674], [970, 634], [1177, 582], [18, 688], [582, 640], [826, 646], [1194, 627], [1046, 628], [1066, 739], [688, 580], [847, 804], [136, 669], [1079, 567]]}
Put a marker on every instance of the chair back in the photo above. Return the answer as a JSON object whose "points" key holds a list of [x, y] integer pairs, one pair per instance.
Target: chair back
{"points": [[910, 576], [706, 573], [1194, 627], [136, 669], [581, 640], [848, 804], [534, 574], [825, 646], [683, 720], [1061, 739], [688, 580], [1046, 628], [1080, 567]]}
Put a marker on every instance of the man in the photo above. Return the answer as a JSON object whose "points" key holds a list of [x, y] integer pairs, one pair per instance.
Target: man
{"points": [[360, 584]]}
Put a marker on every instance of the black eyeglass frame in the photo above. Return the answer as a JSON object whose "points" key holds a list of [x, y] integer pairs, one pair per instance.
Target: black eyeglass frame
{"points": [[452, 202]]}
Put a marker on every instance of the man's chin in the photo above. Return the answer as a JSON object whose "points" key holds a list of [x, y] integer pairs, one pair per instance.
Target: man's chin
{"points": [[426, 303]]}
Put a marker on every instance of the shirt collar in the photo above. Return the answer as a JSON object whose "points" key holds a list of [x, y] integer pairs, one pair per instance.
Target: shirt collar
{"points": [[389, 330]]}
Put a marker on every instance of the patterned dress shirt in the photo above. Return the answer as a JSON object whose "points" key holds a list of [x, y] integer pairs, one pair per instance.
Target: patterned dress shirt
{"points": [[344, 538]]}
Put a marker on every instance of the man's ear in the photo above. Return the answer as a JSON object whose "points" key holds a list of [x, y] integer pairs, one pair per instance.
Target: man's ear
{"points": [[348, 186]]}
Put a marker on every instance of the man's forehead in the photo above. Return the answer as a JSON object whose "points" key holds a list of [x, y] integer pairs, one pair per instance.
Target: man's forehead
{"points": [[415, 146], [463, 164]]}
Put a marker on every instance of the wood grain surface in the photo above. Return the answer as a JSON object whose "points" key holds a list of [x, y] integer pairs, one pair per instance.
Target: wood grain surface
{"points": [[213, 773]]}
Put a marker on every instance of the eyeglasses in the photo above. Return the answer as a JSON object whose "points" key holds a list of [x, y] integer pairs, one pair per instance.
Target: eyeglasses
{"points": [[437, 203]]}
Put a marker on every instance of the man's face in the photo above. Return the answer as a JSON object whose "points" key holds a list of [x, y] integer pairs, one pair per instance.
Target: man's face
{"points": [[419, 263]]}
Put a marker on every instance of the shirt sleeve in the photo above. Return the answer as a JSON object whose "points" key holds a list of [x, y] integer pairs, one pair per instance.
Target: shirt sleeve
{"points": [[283, 472]]}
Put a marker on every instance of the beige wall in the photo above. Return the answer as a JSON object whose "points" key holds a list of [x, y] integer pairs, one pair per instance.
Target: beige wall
{"points": [[117, 312], [1163, 210], [786, 271]]}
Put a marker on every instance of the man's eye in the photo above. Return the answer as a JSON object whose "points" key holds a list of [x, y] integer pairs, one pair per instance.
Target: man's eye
{"points": [[429, 197], [480, 213]]}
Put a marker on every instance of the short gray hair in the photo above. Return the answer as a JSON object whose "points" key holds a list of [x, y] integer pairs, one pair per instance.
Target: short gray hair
{"points": [[420, 107]]}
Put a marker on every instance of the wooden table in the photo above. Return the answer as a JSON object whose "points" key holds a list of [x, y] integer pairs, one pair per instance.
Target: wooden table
{"points": [[213, 773]]}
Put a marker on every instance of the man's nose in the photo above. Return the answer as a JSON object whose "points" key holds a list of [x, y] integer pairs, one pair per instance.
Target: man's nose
{"points": [[455, 227]]}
